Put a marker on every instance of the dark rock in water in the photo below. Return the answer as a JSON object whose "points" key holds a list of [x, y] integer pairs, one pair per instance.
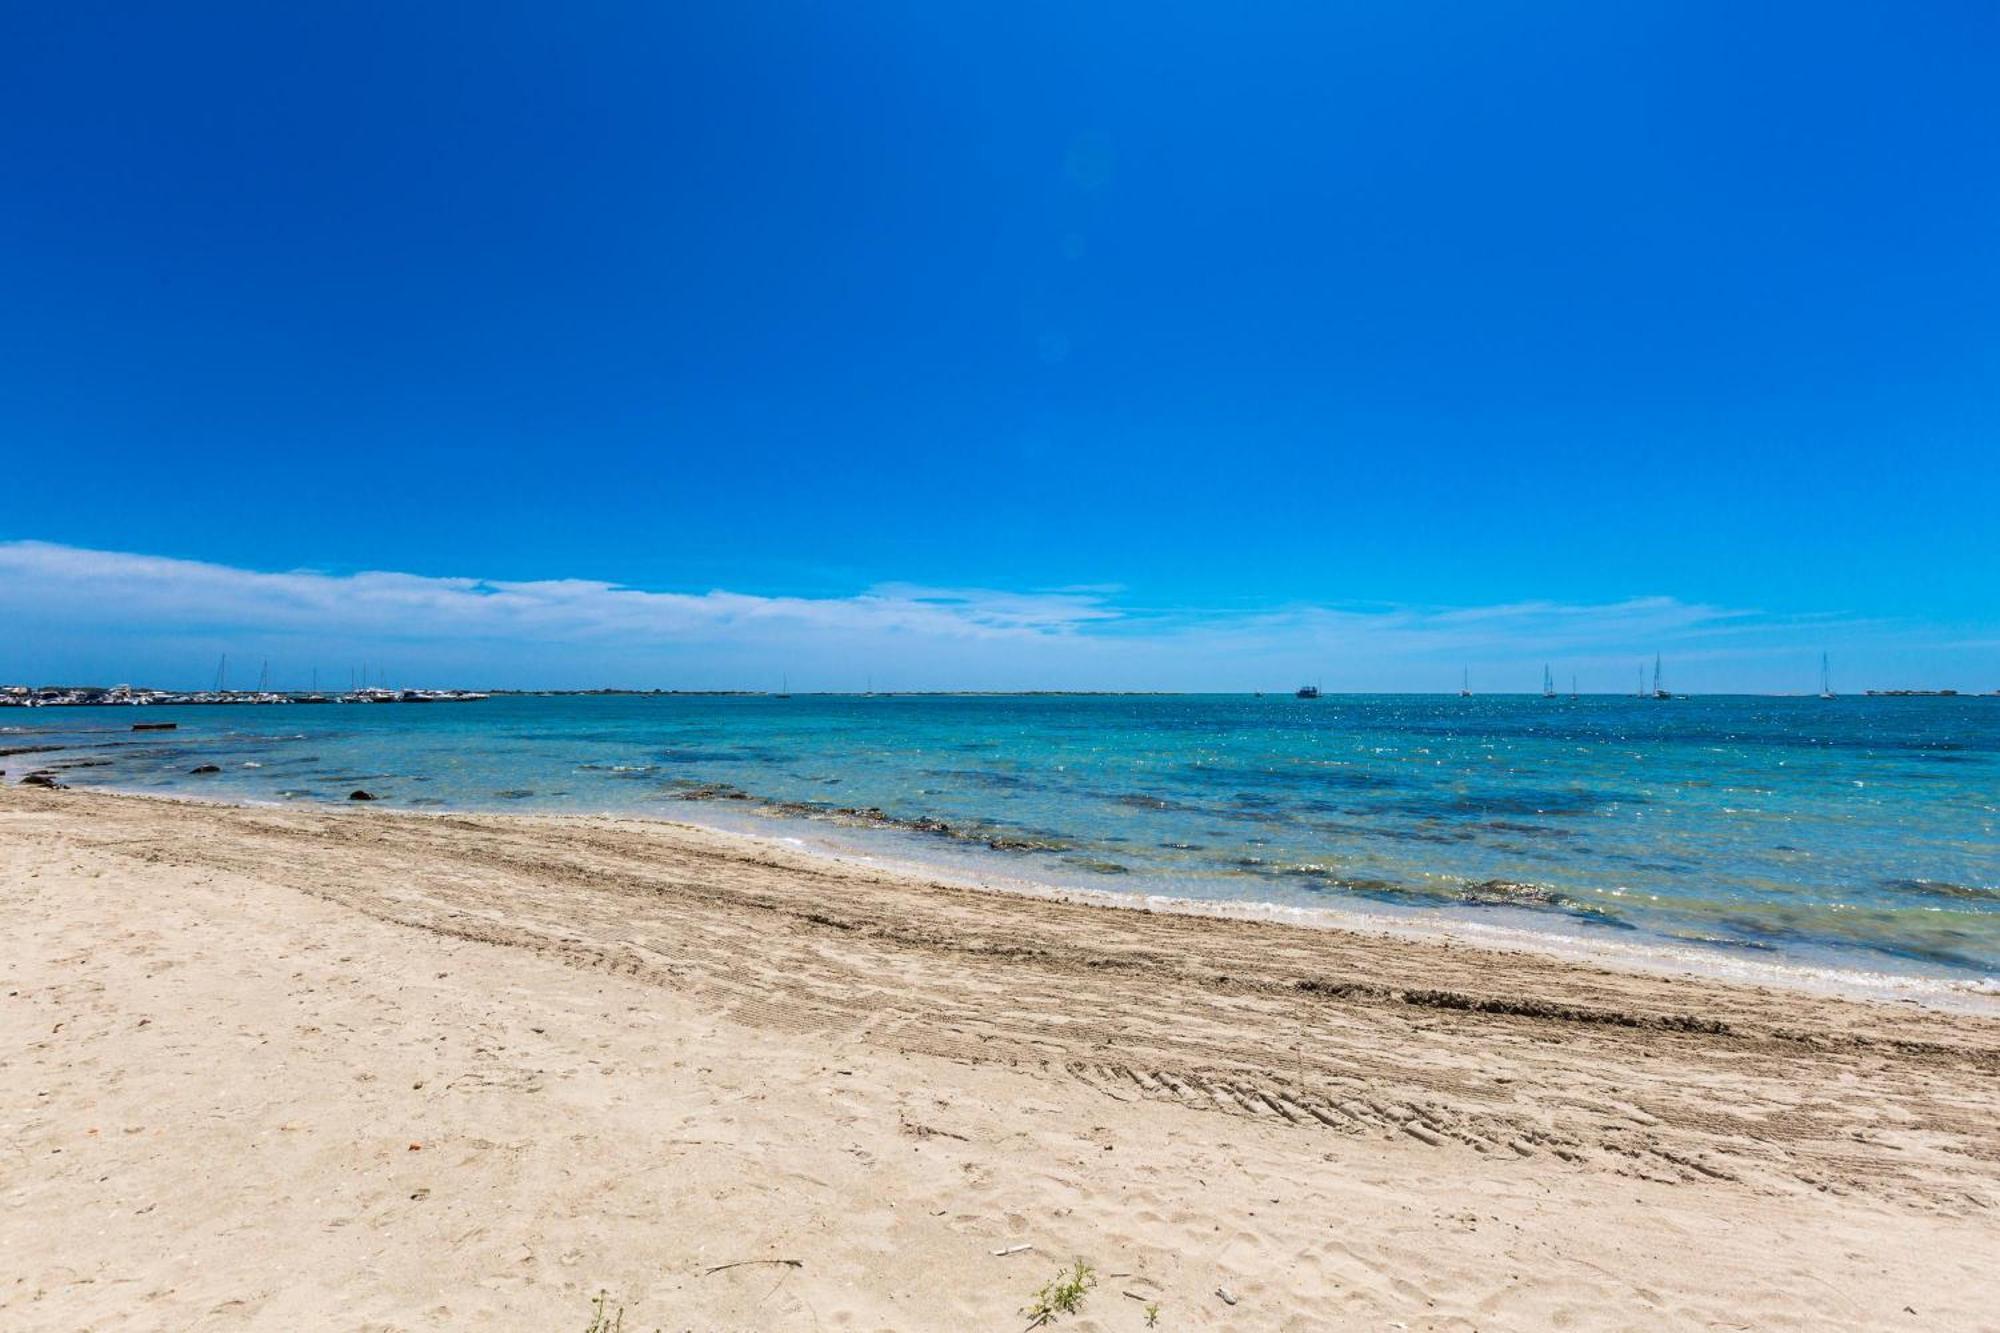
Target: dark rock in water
{"points": [[1006, 843], [156, 726], [1942, 888], [711, 791], [359, 795], [43, 778], [1536, 830], [1509, 892], [1363, 884], [206, 768]]}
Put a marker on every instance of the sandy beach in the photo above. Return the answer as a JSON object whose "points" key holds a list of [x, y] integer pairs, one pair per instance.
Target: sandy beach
{"points": [[319, 1067]]}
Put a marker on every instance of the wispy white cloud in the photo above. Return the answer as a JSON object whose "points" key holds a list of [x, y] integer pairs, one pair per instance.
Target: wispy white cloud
{"points": [[149, 589], [76, 613]]}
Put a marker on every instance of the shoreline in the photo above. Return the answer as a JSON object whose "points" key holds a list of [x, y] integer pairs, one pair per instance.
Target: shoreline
{"points": [[1620, 836], [1418, 926], [902, 852], [311, 1065]]}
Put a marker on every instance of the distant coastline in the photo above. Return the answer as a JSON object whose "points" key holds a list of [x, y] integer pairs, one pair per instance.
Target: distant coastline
{"points": [[126, 696], [115, 696]]}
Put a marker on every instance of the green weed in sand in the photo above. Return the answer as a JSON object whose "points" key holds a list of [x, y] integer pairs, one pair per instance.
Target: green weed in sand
{"points": [[603, 1322], [1063, 1294]]}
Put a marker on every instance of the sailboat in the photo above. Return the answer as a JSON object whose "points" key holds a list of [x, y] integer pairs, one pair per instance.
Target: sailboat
{"points": [[1658, 692], [1465, 685], [1642, 680], [1572, 687], [785, 690], [1825, 679], [1548, 682]]}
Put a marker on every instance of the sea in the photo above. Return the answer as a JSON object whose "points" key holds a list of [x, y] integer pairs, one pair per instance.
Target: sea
{"points": [[1852, 842]]}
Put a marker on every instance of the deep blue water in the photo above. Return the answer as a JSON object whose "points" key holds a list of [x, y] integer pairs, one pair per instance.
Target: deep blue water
{"points": [[1853, 833]]}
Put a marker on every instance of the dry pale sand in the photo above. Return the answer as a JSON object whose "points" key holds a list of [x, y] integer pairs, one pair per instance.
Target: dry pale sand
{"points": [[347, 1068]]}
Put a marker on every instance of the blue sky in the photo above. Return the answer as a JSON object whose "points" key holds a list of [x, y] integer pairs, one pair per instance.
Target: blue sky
{"points": [[1306, 323]]}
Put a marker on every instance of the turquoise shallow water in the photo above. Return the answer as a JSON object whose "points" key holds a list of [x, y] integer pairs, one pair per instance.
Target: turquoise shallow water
{"points": [[1855, 833]]}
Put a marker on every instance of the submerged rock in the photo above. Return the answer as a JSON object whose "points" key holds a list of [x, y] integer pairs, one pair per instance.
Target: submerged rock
{"points": [[1365, 884], [1003, 843], [1942, 888], [711, 791], [1512, 893], [206, 768], [359, 795], [43, 778], [1506, 892]]}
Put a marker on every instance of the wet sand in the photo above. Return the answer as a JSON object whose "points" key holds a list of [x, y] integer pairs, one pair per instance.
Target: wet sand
{"points": [[356, 1068]]}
